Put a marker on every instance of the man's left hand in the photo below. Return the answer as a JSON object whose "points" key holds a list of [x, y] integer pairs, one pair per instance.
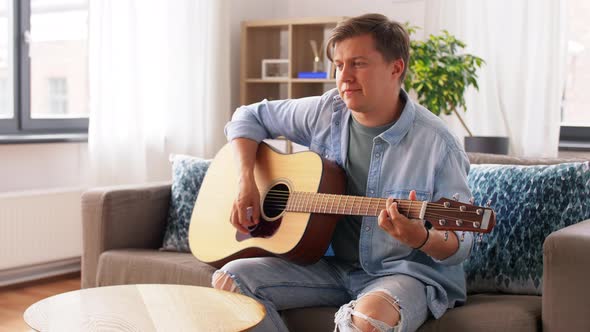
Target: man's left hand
{"points": [[409, 231]]}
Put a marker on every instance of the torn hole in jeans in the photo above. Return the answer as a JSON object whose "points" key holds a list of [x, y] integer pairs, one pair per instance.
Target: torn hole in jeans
{"points": [[343, 318], [225, 281]]}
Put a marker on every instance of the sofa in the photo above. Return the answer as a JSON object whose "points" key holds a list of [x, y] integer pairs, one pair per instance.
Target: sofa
{"points": [[123, 229]]}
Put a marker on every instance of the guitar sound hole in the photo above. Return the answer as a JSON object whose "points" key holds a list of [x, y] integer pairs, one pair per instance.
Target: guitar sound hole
{"points": [[273, 206], [275, 201]]}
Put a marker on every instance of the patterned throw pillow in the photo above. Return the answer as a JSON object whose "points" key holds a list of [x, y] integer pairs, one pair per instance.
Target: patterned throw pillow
{"points": [[187, 176], [530, 203]]}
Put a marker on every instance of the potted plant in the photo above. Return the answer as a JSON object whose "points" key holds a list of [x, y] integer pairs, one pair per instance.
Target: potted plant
{"points": [[439, 75]]}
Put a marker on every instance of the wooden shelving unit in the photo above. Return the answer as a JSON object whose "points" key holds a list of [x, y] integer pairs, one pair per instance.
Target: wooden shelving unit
{"points": [[283, 39]]}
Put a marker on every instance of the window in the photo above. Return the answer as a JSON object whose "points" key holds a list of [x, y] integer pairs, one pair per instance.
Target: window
{"points": [[57, 96], [43, 66], [575, 113], [5, 110]]}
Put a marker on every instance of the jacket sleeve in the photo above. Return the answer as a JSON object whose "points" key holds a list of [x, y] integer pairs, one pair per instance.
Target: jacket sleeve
{"points": [[292, 118], [451, 179]]}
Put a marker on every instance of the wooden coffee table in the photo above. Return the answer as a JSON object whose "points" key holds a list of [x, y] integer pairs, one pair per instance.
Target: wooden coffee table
{"points": [[149, 307]]}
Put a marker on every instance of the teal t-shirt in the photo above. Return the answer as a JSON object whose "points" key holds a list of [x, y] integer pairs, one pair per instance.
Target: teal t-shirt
{"points": [[345, 241]]}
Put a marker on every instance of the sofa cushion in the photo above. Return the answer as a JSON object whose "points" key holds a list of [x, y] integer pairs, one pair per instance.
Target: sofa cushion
{"points": [[482, 313], [530, 203], [489, 313], [143, 266], [187, 176]]}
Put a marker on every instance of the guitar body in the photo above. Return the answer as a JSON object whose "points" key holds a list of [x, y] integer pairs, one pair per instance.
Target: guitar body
{"points": [[297, 236]]}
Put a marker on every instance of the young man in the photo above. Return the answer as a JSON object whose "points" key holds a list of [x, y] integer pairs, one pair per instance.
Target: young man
{"points": [[388, 273]]}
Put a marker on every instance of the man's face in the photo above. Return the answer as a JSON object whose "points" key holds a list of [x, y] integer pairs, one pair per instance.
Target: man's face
{"points": [[366, 82]]}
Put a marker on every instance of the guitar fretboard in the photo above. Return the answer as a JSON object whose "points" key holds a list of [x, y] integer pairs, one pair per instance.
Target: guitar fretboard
{"points": [[350, 205]]}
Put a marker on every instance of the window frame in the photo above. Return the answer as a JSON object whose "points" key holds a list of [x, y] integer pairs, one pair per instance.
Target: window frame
{"points": [[22, 123]]}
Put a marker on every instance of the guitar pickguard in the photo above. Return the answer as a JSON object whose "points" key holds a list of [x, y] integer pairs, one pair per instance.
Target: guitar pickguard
{"points": [[264, 229]]}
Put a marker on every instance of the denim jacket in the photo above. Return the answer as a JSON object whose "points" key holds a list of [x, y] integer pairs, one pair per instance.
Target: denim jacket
{"points": [[416, 153]]}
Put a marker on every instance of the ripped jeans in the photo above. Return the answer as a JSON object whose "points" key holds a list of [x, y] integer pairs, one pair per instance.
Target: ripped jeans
{"points": [[281, 285]]}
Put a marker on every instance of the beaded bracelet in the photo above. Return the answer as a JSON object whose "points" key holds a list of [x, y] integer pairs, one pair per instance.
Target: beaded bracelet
{"points": [[426, 240]]}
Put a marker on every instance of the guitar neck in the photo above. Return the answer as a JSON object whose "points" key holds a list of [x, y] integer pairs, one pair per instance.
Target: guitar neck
{"points": [[443, 214], [350, 205]]}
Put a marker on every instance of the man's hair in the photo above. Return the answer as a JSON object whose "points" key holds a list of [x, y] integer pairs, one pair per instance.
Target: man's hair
{"points": [[391, 38]]}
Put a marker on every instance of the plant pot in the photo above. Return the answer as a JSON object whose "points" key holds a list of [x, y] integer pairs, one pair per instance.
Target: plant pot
{"points": [[486, 144]]}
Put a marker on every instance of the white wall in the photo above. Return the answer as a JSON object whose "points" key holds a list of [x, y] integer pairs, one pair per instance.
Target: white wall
{"points": [[43, 166], [400, 10]]}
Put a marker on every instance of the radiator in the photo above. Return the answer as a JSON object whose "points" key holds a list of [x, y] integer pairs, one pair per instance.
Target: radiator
{"points": [[38, 229]]}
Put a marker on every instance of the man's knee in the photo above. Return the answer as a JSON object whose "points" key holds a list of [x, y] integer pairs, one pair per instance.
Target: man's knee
{"points": [[374, 311], [224, 281], [379, 306]]}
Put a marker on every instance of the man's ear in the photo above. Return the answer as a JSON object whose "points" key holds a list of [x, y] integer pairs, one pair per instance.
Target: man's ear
{"points": [[397, 68]]}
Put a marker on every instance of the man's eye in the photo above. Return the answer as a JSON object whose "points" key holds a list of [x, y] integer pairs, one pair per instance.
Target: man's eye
{"points": [[357, 64], [339, 66]]}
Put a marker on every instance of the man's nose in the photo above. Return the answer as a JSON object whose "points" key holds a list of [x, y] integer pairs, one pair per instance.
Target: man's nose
{"points": [[346, 74]]}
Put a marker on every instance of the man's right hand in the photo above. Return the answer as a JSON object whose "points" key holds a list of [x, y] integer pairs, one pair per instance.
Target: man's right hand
{"points": [[248, 197]]}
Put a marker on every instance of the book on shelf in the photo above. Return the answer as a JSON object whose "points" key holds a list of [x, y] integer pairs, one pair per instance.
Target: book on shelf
{"points": [[312, 74]]}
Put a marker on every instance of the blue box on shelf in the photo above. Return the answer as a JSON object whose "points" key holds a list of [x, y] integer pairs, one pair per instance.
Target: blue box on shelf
{"points": [[312, 74]]}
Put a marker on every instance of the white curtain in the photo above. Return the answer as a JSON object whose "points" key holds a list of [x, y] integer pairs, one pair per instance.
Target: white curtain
{"points": [[159, 84], [524, 45]]}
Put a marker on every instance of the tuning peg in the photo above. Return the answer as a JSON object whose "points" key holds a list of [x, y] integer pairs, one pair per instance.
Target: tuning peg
{"points": [[489, 203], [456, 196], [446, 235], [472, 200]]}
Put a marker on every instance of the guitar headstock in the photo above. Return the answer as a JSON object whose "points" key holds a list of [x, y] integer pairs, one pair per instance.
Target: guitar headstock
{"points": [[451, 215]]}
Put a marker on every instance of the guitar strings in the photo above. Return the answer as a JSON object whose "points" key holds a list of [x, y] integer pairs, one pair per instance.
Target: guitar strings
{"points": [[319, 209], [285, 204], [281, 199], [405, 213], [282, 205], [287, 193], [363, 204]]}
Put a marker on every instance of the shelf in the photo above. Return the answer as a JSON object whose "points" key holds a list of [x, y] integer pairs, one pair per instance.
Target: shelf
{"points": [[287, 39], [292, 80], [313, 80], [268, 80]]}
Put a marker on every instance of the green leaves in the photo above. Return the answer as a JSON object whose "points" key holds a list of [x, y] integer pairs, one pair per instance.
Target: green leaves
{"points": [[439, 73]]}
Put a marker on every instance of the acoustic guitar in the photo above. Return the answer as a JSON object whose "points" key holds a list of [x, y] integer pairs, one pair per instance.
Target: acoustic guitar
{"points": [[301, 201]]}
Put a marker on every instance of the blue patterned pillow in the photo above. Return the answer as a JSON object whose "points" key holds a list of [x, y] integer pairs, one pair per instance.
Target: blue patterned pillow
{"points": [[530, 203], [187, 176]]}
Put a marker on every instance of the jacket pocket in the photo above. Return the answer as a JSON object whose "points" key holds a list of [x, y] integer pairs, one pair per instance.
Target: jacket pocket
{"points": [[421, 195]]}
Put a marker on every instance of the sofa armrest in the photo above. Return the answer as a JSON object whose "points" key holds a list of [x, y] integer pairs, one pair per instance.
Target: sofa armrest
{"points": [[121, 217], [566, 271]]}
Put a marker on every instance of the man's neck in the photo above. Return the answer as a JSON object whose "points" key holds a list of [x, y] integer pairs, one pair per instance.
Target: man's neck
{"points": [[382, 117]]}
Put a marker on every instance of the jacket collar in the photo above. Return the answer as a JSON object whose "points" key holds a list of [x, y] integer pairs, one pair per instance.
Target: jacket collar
{"points": [[400, 128]]}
